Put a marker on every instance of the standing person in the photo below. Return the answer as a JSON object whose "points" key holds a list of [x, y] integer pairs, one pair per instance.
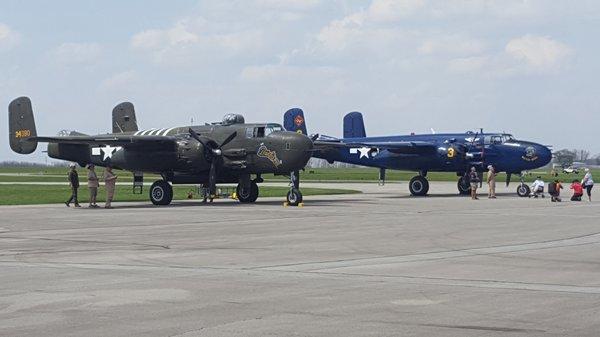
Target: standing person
{"points": [[491, 180], [93, 185], [110, 180], [474, 180], [577, 190], [74, 183], [588, 183]]}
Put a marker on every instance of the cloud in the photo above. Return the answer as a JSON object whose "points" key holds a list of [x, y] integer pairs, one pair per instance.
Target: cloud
{"points": [[539, 52], [451, 44], [392, 10], [119, 81], [296, 5], [189, 41], [8, 37], [526, 55], [154, 39], [77, 53]]}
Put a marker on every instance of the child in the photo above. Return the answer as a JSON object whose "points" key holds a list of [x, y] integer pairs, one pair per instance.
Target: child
{"points": [[577, 190], [554, 190]]}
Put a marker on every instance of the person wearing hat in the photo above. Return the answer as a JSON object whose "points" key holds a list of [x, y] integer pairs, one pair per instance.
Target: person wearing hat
{"points": [[74, 183], [474, 180], [93, 185], [491, 180], [110, 180], [588, 183]]}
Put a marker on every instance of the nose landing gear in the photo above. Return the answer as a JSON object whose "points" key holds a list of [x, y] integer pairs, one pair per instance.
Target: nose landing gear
{"points": [[294, 196]]}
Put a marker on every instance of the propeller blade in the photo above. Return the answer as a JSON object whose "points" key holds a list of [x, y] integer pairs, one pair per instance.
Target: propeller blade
{"points": [[508, 179], [228, 139], [212, 178], [196, 137]]}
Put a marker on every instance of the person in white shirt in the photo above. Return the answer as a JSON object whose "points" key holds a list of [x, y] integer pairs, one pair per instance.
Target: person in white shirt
{"points": [[588, 183], [537, 188]]}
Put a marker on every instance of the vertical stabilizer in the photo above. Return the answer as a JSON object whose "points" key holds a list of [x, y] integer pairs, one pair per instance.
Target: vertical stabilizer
{"points": [[293, 120], [354, 126], [21, 126], [123, 118]]}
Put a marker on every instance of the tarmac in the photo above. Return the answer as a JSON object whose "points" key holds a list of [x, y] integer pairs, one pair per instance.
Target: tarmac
{"points": [[380, 263]]}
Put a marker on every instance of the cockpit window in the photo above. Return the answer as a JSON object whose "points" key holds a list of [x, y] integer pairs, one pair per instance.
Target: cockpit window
{"points": [[259, 132], [508, 138], [498, 139], [262, 131]]}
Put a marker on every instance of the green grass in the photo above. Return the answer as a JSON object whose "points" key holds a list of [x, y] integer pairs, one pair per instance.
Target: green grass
{"points": [[58, 174], [52, 194], [372, 174]]}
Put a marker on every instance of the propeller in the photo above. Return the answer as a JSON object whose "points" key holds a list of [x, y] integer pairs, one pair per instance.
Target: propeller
{"points": [[214, 155], [508, 176]]}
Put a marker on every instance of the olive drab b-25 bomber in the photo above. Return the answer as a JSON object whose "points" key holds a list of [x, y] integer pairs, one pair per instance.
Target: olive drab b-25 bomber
{"points": [[227, 152]]}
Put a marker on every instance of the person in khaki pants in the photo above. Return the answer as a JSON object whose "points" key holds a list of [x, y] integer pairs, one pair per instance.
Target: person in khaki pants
{"points": [[491, 180], [110, 180], [92, 185]]}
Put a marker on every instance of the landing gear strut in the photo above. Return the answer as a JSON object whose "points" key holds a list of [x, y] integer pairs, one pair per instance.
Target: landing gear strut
{"points": [[419, 185], [523, 190], [161, 193], [294, 197]]}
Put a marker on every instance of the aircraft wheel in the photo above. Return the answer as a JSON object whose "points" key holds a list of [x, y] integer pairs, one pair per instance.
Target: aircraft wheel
{"points": [[161, 193], [418, 186], [247, 196], [523, 190], [294, 197], [464, 187]]}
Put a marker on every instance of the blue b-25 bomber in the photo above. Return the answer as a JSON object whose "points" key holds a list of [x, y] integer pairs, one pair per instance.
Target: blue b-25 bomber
{"points": [[423, 153]]}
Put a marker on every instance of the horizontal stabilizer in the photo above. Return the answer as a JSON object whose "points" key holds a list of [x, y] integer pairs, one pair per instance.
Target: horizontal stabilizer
{"points": [[21, 126], [354, 126]]}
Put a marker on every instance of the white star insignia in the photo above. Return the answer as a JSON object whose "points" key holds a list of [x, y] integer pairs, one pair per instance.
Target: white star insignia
{"points": [[364, 152], [107, 151]]}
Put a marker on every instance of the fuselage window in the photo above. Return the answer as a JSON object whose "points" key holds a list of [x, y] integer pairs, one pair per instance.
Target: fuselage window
{"points": [[259, 132]]}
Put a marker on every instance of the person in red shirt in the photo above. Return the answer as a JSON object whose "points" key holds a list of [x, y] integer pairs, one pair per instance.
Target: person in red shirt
{"points": [[577, 190]]}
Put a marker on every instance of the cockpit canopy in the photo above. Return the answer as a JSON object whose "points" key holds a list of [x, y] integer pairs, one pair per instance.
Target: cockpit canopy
{"points": [[499, 138], [231, 119], [260, 131]]}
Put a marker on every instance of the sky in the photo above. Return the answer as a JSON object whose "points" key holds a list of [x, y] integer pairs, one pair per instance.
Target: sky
{"points": [[525, 67]]}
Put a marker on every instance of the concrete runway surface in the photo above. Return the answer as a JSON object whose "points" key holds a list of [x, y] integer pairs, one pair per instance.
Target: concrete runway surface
{"points": [[376, 264]]}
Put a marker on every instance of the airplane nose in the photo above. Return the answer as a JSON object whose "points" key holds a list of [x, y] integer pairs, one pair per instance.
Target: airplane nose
{"points": [[296, 150], [545, 154]]}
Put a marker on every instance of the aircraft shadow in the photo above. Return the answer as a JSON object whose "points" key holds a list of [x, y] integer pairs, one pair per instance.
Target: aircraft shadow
{"points": [[447, 195], [233, 203]]}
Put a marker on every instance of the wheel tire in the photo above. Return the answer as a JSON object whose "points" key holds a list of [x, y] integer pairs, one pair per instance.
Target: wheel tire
{"points": [[161, 193], [523, 191], [247, 196], [418, 186], [294, 197], [464, 187]]}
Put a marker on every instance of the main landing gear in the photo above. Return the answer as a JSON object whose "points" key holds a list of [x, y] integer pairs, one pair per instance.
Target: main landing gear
{"points": [[294, 196], [161, 193], [419, 185], [247, 194]]}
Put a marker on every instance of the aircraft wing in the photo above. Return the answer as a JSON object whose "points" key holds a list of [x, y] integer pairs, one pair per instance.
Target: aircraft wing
{"points": [[118, 140], [400, 147]]}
